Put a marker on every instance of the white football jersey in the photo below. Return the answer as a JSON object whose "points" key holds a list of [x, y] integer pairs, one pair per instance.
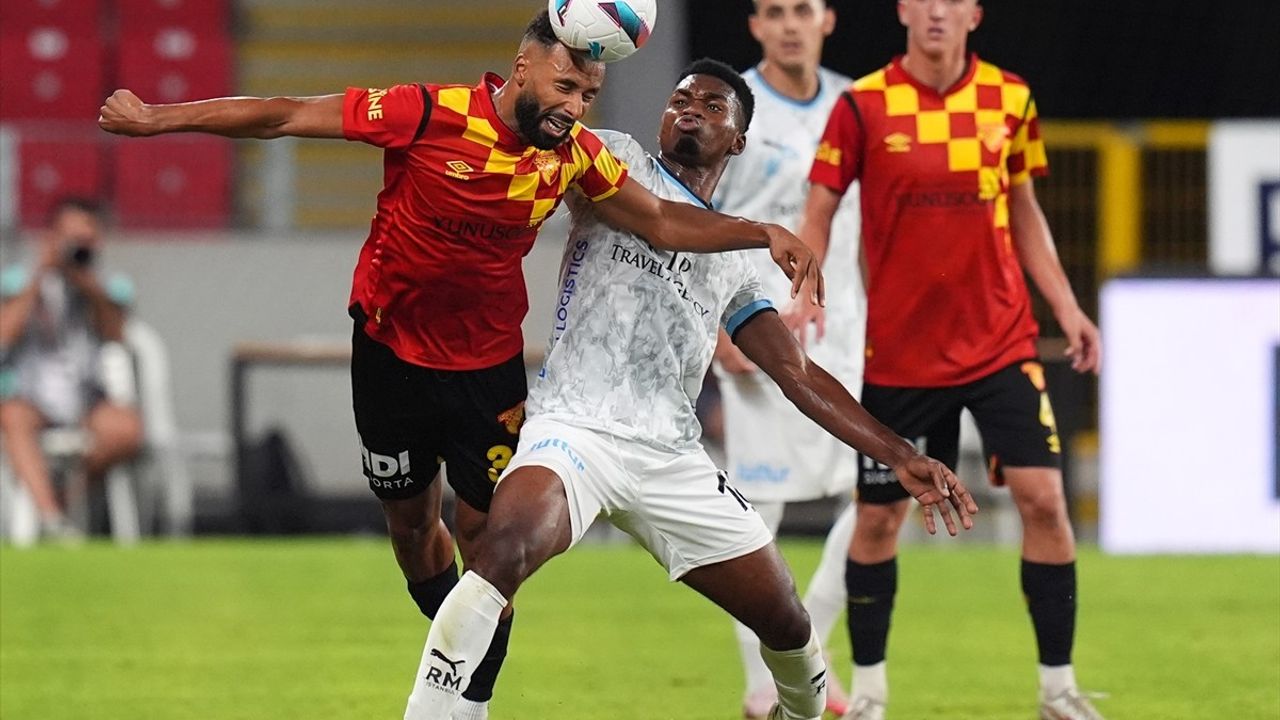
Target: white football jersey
{"points": [[634, 328], [769, 182], [776, 454]]}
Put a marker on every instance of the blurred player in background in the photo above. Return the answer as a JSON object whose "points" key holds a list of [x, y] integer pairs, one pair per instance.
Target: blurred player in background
{"points": [[61, 325], [945, 147], [438, 296], [775, 454], [612, 429]]}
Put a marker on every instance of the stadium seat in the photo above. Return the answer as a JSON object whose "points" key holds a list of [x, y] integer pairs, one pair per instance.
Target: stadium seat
{"points": [[166, 467], [63, 447], [175, 63], [51, 72], [176, 182], [48, 169], [146, 16], [79, 17], [131, 489]]}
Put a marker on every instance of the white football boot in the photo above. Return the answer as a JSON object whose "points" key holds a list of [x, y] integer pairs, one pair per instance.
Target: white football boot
{"points": [[1070, 704]]}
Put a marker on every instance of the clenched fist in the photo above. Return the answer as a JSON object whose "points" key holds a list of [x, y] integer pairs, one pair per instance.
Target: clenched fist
{"points": [[125, 114]]}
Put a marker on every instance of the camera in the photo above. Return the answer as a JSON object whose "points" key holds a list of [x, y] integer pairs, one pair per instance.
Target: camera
{"points": [[80, 254]]}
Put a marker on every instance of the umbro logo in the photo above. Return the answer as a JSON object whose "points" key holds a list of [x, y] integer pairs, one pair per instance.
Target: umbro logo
{"points": [[897, 142], [458, 169]]}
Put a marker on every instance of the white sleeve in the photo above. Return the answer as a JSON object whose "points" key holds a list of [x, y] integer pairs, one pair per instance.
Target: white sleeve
{"points": [[749, 300], [623, 146]]}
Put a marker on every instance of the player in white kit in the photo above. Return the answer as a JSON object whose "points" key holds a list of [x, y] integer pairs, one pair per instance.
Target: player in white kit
{"points": [[775, 454], [612, 432]]}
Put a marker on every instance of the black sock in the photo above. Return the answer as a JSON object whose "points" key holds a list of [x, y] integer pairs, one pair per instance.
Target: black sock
{"points": [[483, 679], [871, 589], [430, 593], [1051, 598]]}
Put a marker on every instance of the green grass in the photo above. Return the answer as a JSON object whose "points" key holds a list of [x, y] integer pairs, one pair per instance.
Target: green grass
{"points": [[319, 629]]}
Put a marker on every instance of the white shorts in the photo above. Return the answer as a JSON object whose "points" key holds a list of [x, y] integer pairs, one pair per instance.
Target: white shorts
{"points": [[775, 453], [679, 506]]}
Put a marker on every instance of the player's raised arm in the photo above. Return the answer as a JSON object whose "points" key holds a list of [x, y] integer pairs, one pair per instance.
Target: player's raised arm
{"points": [[236, 117], [685, 228], [767, 343]]}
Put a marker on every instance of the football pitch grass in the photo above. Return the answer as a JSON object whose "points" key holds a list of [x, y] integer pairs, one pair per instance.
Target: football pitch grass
{"points": [[322, 628]]}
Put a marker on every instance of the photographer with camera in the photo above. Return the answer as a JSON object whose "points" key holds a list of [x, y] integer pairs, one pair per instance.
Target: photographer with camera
{"points": [[62, 362]]}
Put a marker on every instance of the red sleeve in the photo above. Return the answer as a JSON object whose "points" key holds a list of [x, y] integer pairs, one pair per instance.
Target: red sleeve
{"points": [[1027, 155], [391, 118], [838, 161], [598, 173]]}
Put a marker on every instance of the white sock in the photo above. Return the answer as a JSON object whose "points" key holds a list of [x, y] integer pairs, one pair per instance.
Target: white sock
{"points": [[470, 710], [1055, 679], [826, 597], [801, 678], [459, 637], [871, 681]]}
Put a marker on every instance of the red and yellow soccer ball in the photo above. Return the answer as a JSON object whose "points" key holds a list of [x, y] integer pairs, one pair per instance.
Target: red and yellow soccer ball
{"points": [[607, 31]]}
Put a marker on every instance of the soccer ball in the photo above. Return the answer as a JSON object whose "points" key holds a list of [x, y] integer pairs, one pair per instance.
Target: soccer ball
{"points": [[607, 31]]}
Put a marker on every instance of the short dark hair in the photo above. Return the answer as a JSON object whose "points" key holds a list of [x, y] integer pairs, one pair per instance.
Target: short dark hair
{"points": [[539, 30], [721, 71], [78, 203]]}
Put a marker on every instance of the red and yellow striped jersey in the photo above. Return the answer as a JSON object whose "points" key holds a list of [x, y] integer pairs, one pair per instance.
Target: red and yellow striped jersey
{"points": [[946, 298], [439, 277]]}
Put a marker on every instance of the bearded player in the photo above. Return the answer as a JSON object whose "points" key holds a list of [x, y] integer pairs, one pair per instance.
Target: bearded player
{"points": [[471, 173]]}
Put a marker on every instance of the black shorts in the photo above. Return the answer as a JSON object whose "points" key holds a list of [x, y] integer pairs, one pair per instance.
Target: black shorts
{"points": [[412, 419], [1011, 408]]}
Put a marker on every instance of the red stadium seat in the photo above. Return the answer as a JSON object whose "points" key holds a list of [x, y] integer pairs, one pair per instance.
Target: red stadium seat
{"points": [[51, 73], [77, 17], [49, 170], [174, 64], [147, 16], [180, 181]]}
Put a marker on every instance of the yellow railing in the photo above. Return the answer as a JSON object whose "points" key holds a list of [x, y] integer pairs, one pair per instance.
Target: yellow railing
{"points": [[1120, 196], [1123, 153]]}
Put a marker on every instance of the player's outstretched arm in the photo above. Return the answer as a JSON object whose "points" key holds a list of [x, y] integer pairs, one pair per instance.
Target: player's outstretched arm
{"points": [[767, 343], [685, 228], [1037, 253], [236, 117]]}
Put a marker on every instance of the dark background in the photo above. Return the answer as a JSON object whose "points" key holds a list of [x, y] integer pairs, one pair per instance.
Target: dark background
{"points": [[1083, 58]]}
